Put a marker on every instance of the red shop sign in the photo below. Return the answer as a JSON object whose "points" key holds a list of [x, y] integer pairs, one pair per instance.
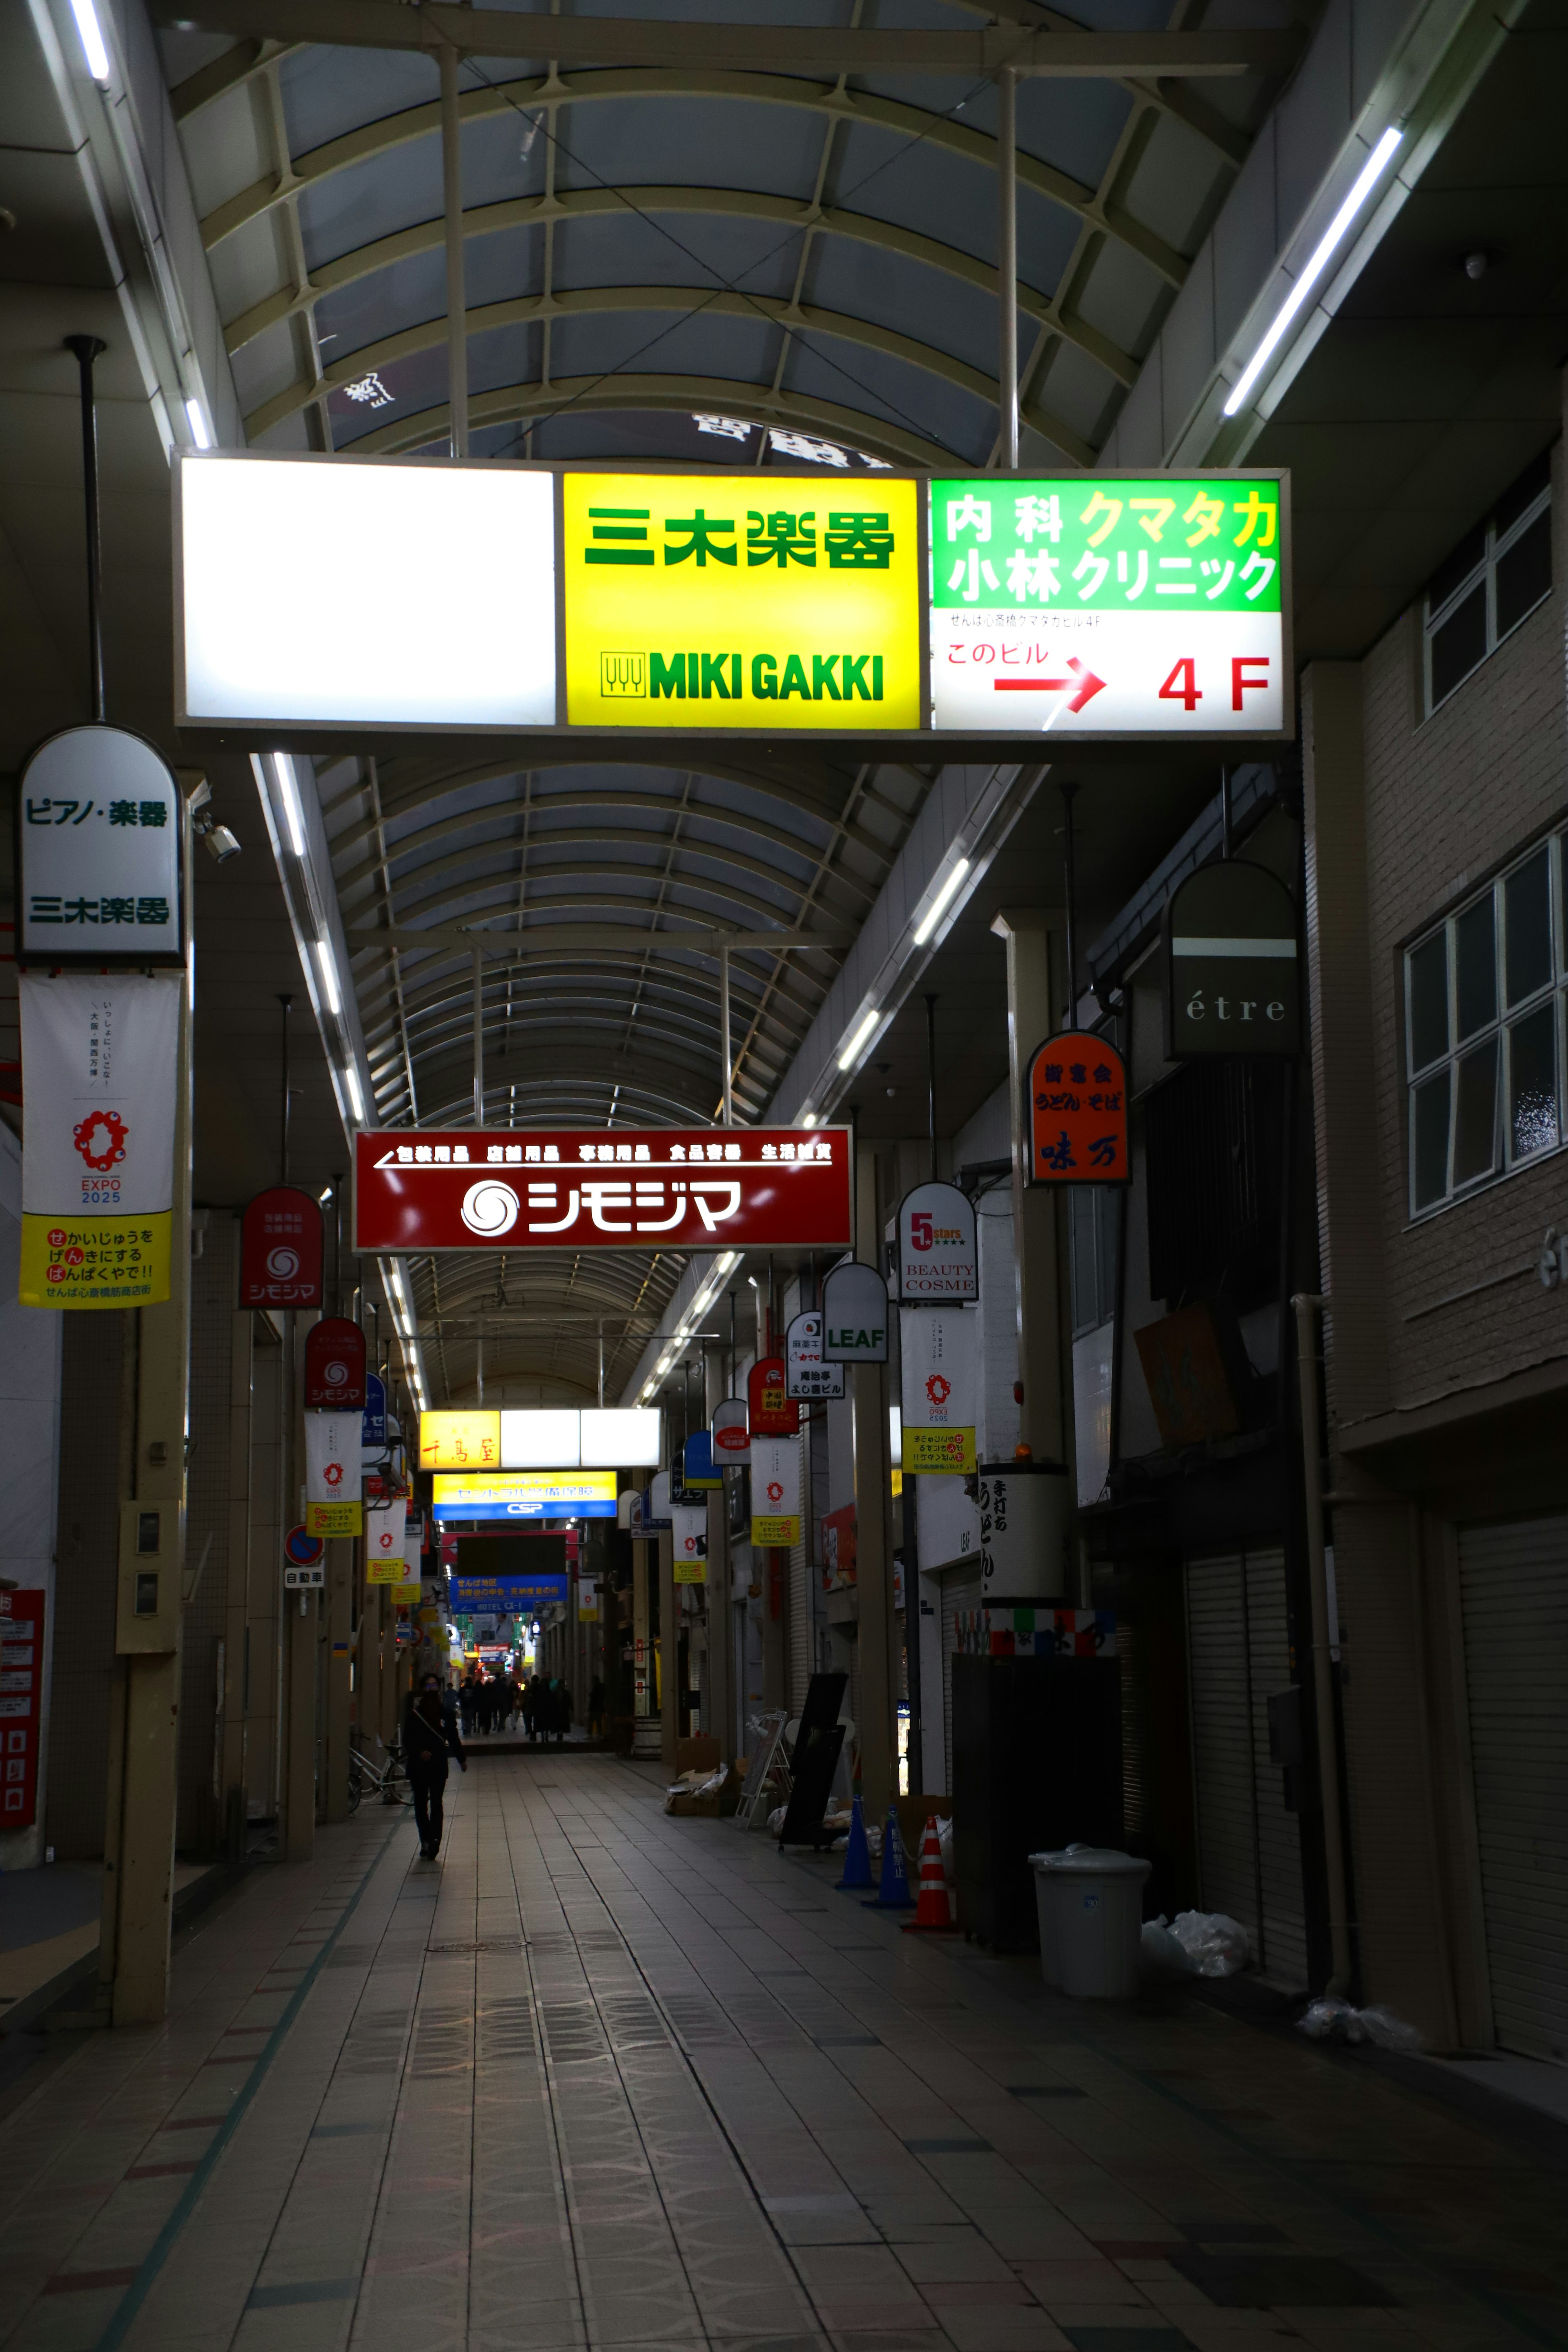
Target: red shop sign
{"points": [[769, 1408], [280, 1250], [1076, 1112], [669, 1188], [334, 1366], [22, 1661]]}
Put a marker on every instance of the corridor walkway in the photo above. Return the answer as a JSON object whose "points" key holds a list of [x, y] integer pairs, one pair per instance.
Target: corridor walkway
{"points": [[603, 2078]]}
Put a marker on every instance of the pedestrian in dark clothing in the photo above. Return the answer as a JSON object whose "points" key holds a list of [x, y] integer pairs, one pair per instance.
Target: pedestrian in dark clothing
{"points": [[596, 1707], [468, 1698], [560, 1718], [486, 1707], [532, 1697], [430, 1735]]}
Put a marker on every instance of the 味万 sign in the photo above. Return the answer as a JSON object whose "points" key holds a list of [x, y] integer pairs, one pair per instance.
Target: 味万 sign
{"points": [[1075, 1111], [655, 1188], [1101, 604], [98, 833]]}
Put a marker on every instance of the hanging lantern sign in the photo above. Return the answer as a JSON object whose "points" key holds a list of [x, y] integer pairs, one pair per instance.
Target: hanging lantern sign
{"points": [[280, 1250], [1076, 1111], [805, 1374], [939, 1260], [334, 1366], [1232, 948], [731, 1433], [769, 1408], [333, 1474], [775, 1490], [854, 1314]]}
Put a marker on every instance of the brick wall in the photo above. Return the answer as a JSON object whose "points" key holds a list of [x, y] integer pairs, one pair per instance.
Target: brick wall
{"points": [[1448, 801]]}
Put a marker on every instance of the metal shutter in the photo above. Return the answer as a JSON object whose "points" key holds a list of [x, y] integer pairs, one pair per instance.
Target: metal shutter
{"points": [[1513, 1592], [960, 1592], [1249, 1849]]}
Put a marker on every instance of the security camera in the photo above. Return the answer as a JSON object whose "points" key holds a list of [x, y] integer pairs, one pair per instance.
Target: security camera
{"points": [[220, 844]]}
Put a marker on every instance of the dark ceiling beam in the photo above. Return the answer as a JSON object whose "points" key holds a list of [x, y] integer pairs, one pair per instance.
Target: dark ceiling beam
{"points": [[809, 48], [597, 939]]}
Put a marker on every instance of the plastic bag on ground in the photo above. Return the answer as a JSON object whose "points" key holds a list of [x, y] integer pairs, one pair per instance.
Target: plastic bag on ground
{"points": [[1215, 1945], [1161, 1953], [776, 1820], [1333, 2020]]}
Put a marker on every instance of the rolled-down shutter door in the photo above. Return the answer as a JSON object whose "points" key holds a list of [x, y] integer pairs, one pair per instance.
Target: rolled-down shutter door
{"points": [[960, 1592], [1250, 1848], [1513, 1590]]}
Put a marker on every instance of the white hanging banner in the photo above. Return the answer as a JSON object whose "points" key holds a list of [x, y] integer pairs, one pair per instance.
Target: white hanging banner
{"points": [[384, 1527], [333, 1474], [688, 1541], [775, 1490], [100, 1076], [941, 1353], [938, 1259]]}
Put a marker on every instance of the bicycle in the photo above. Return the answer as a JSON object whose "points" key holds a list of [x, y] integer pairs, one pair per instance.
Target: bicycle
{"points": [[389, 1780]]}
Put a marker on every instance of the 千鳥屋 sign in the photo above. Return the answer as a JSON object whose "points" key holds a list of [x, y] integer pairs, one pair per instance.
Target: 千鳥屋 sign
{"points": [[280, 1250], [699, 601], [854, 1314], [1101, 604], [655, 1188], [1075, 1108], [938, 1259], [459, 1441], [775, 1490], [332, 1500], [100, 1071], [806, 1375], [525, 1495], [1235, 986], [99, 829]]}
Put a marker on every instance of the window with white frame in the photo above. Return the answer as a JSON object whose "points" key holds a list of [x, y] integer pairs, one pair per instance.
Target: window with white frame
{"points": [[1484, 1010], [1494, 579]]}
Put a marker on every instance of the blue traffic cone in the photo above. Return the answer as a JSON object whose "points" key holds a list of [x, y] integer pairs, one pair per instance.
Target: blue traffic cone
{"points": [[893, 1894], [857, 1854]]}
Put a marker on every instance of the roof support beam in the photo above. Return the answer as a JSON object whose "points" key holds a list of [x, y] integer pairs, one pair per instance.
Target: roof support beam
{"points": [[608, 939], [810, 49]]}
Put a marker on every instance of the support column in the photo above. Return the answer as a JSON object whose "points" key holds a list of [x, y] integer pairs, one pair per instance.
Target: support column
{"points": [[669, 1653], [457, 303], [1007, 264], [1035, 1009], [873, 1528], [721, 1692], [341, 1573], [296, 1728], [232, 1776]]}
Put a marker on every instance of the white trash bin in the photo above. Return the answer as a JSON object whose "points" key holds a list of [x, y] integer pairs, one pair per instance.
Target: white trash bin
{"points": [[1091, 1912]]}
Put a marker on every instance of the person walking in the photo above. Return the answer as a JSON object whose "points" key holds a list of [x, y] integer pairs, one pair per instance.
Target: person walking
{"points": [[560, 1717], [485, 1710], [467, 1695], [532, 1692], [430, 1735]]}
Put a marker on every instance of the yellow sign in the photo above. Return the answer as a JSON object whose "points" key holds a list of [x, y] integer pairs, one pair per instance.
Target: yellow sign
{"points": [[459, 1441], [409, 1594], [950, 1452], [778, 602], [342, 1518], [690, 1571], [386, 1571], [95, 1261], [778, 1529]]}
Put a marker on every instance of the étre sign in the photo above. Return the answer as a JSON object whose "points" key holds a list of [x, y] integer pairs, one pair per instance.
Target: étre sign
{"points": [[1233, 951]]}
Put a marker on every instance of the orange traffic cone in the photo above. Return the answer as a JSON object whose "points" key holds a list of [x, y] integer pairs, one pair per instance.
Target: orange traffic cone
{"points": [[934, 1912]]}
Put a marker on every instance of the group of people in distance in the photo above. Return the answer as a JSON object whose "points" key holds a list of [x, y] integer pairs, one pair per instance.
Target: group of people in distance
{"points": [[489, 1703]]}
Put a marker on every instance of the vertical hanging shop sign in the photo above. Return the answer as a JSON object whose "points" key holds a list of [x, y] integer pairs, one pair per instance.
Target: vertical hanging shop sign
{"points": [[280, 1250], [698, 1467], [854, 1314], [731, 1433], [938, 1347], [938, 1257], [21, 1705], [373, 1427], [689, 1543], [805, 1374], [334, 1366], [332, 1505], [384, 1539], [770, 1409], [99, 828], [100, 1075], [1076, 1112], [1235, 968], [775, 1490]]}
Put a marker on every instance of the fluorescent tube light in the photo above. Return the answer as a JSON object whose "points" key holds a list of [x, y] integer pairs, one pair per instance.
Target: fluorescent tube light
{"points": [[808, 1118], [326, 964], [857, 1036], [933, 913], [730, 1258], [289, 793], [197, 423], [1334, 237], [356, 1095], [94, 47]]}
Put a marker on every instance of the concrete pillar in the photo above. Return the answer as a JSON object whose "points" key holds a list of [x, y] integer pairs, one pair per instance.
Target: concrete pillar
{"points": [[867, 1384], [1035, 1006], [232, 1774], [342, 1572], [719, 1711], [669, 1653]]}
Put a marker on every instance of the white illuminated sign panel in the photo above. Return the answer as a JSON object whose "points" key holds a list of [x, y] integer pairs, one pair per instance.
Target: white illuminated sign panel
{"points": [[99, 828], [316, 591]]}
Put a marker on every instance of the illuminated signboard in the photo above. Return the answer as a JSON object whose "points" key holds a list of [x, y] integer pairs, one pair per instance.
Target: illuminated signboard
{"points": [[503, 1596], [1097, 604], [654, 1188], [516, 599], [525, 1495], [779, 601]]}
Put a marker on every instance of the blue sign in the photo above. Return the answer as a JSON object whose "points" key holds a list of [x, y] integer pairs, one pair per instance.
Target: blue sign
{"points": [[699, 1467], [372, 1430], [499, 1514], [503, 1596]]}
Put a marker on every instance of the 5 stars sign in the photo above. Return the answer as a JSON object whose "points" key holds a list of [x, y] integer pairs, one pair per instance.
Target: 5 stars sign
{"points": [[1098, 604]]}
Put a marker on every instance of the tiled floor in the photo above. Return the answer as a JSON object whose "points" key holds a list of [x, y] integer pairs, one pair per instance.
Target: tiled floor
{"points": [[605, 2078]]}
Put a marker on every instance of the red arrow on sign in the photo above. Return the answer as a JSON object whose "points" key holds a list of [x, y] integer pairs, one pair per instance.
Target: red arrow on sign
{"points": [[1087, 685]]}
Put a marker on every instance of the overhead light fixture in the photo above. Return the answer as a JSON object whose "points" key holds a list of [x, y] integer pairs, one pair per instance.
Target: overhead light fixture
{"points": [[1328, 246], [289, 793], [94, 47], [933, 913], [326, 964], [808, 1118], [198, 425], [857, 1037], [324, 1195]]}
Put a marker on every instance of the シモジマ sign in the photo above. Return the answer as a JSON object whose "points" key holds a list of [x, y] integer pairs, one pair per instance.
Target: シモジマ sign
{"points": [[655, 1188]]}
